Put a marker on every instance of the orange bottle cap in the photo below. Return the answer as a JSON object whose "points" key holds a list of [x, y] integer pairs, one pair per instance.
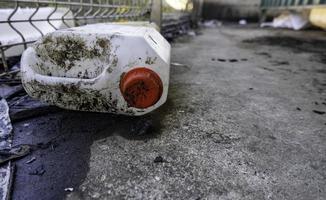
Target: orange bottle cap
{"points": [[141, 87]]}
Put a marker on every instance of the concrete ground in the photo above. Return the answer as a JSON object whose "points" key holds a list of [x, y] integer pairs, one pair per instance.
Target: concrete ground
{"points": [[245, 119]]}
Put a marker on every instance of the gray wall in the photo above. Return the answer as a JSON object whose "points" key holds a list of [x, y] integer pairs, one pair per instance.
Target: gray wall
{"points": [[231, 9]]}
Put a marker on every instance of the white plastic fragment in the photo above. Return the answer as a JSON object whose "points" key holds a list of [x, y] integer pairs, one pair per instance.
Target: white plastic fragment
{"points": [[295, 21], [212, 24], [243, 22], [70, 189], [6, 170]]}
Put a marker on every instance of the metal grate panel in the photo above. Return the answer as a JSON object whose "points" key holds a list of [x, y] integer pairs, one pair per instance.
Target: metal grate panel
{"points": [[73, 13]]}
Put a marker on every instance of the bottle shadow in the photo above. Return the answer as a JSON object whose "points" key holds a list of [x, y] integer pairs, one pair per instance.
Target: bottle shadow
{"points": [[62, 147]]}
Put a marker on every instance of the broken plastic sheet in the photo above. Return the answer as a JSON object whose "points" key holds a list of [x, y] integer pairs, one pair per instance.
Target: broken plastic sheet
{"points": [[211, 24], [295, 21], [5, 125], [5, 143], [6, 173]]}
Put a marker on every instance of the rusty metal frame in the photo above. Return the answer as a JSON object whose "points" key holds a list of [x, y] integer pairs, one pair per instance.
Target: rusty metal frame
{"points": [[84, 12]]}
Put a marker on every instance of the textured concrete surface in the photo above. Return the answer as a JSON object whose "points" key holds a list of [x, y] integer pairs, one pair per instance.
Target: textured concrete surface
{"points": [[244, 120]]}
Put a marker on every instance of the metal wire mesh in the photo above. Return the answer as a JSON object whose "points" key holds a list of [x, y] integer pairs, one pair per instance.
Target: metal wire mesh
{"points": [[73, 13]]}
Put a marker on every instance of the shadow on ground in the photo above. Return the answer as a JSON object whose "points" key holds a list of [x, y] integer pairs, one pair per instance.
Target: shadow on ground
{"points": [[61, 143]]}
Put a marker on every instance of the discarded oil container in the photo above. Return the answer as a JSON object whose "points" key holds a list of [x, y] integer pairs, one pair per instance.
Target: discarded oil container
{"points": [[113, 68]]}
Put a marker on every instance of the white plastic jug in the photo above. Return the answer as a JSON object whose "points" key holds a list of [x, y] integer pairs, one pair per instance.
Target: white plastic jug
{"points": [[114, 68]]}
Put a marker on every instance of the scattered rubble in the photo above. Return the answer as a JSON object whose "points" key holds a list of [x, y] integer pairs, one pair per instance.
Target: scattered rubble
{"points": [[30, 160], [159, 159], [231, 60], [319, 112], [278, 63], [264, 54], [38, 171]]}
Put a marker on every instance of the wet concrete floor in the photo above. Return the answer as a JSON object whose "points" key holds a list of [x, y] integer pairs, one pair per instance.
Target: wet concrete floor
{"points": [[245, 119]]}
